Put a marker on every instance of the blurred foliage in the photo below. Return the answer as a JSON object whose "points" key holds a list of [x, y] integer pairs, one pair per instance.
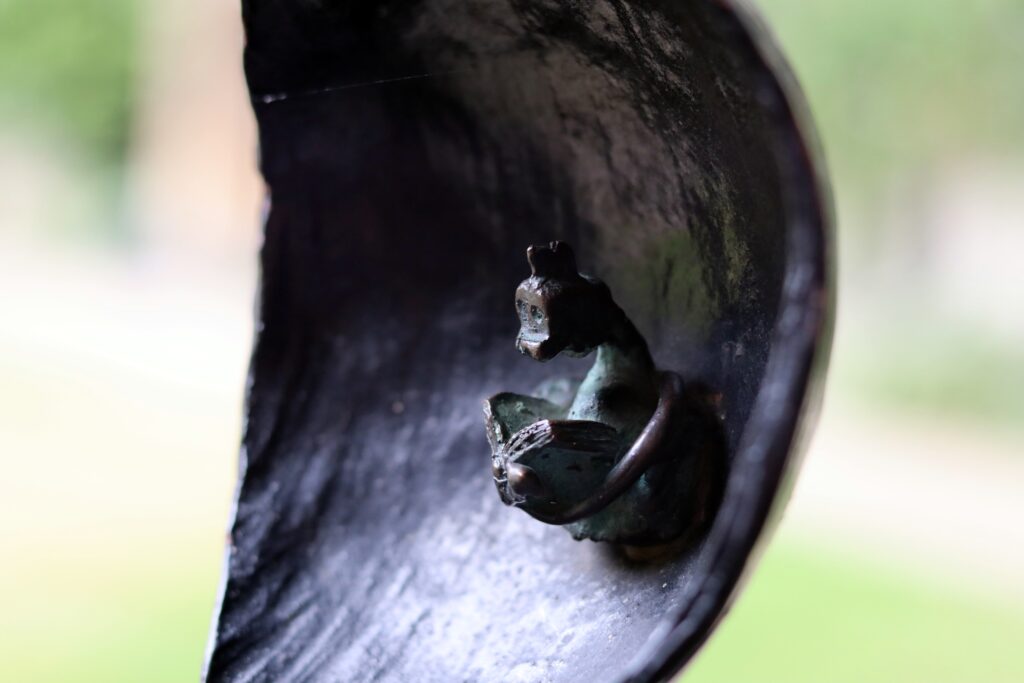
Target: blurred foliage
{"points": [[900, 87], [932, 369], [68, 69], [904, 92], [896, 86]]}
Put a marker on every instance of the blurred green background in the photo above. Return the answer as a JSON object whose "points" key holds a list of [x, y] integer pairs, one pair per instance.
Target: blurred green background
{"points": [[128, 234]]}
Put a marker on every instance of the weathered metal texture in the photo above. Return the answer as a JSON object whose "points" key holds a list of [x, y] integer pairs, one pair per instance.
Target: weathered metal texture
{"points": [[411, 150]]}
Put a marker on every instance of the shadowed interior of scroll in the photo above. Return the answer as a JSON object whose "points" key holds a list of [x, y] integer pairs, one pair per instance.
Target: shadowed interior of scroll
{"points": [[412, 151]]}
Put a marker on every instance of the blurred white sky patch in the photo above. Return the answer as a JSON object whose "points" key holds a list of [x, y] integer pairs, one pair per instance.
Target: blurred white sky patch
{"points": [[975, 268], [194, 183], [121, 385]]}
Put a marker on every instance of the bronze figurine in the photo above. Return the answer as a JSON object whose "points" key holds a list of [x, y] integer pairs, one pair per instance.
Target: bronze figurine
{"points": [[634, 457]]}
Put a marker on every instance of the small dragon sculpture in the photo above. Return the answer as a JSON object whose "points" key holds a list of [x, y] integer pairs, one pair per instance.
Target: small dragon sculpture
{"points": [[634, 458]]}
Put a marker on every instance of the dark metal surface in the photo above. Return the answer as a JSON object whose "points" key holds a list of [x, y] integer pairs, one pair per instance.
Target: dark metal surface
{"points": [[409, 149]]}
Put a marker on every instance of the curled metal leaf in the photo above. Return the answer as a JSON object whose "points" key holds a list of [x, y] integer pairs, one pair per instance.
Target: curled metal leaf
{"points": [[411, 149]]}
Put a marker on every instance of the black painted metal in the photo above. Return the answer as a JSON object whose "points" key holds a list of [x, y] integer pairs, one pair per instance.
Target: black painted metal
{"points": [[412, 150]]}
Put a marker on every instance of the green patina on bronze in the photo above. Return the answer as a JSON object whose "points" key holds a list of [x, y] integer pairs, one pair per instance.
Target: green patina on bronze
{"points": [[632, 456]]}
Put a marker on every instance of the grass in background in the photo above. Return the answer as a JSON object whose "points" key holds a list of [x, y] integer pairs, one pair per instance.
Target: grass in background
{"points": [[129, 613], [808, 616]]}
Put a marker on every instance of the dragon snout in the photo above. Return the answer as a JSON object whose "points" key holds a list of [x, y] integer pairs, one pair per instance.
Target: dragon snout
{"points": [[524, 482]]}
